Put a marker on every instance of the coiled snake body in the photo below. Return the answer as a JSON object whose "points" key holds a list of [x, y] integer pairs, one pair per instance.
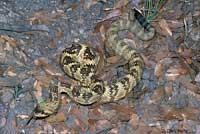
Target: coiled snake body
{"points": [[79, 62]]}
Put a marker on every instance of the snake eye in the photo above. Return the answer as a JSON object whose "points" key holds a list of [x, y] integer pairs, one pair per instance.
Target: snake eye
{"points": [[98, 89]]}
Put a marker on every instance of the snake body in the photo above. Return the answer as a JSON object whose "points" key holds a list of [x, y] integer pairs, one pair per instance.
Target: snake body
{"points": [[79, 62]]}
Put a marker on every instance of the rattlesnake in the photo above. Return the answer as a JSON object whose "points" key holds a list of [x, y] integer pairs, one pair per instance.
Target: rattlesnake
{"points": [[79, 62]]}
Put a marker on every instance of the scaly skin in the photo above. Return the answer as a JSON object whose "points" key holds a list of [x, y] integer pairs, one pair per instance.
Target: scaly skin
{"points": [[79, 62]]}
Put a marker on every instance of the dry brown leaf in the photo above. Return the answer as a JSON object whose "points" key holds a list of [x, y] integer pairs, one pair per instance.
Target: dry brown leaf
{"points": [[160, 65], [89, 3], [161, 55], [169, 88], [158, 69], [22, 56], [135, 119], [157, 95], [79, 124], [175, 23], [33, 72], [112, 14], [171, 113], [108, 19], [102, 32], [102, 124], [11, 41], [41, 17], [11, 73], [44, 80], [38, 86], [122, 108], [101, 62], [52, 71], [196, 13], [58, 14], [100, 24], [189, 92], [165, 27], [59, 117], [1, 70], [96, 111], [2, 40], [146, 61], [197, 78], [59, 33], [175, 71], [80, 20], [92, 124], [171, 76], [146, 129], [113, 59], [187, 84], [114, 131], [124, 116], [38, 17], [185, 52], [8, 47], [41, 61], [75, 6], [51, 43], [120, 4]]}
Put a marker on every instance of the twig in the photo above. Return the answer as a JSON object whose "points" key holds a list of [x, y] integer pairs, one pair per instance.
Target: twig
{"points": [[23, 28]]}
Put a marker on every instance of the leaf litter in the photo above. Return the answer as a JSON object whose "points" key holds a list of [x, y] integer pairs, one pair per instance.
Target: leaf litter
{"points": [[171, 59]]}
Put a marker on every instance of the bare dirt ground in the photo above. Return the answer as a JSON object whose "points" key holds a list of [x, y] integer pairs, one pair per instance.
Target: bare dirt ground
{"points": [[34, 32]]}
